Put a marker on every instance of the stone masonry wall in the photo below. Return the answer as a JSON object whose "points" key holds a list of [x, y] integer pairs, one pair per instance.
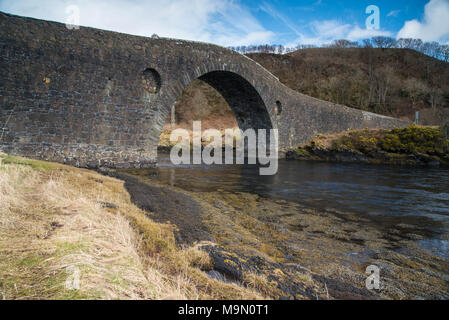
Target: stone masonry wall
{"points": [[94, 98]]}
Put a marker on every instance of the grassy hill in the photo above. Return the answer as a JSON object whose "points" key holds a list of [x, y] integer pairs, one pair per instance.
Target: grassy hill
{"points": [[393, 82]]}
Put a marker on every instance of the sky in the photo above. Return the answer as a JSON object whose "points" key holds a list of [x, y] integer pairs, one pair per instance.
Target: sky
{"points": [[249, 22]]}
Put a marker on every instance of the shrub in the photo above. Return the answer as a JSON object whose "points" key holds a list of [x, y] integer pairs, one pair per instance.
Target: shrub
{"points": [[410, 140], [414, 140]]}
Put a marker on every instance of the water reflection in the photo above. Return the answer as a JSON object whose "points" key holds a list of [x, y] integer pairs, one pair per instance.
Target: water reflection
{"points": [[418, 196]]}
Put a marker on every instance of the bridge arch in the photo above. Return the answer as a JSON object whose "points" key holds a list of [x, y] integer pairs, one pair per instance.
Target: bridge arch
{"points": [[247, 105], [243, 99]]}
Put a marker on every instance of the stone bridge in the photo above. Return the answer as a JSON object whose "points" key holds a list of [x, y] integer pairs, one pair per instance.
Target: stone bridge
{"points": [[93, 98]]}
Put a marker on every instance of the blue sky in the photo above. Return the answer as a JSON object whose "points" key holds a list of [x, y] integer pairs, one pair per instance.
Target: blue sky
{"points": [[245, 22], [314, 19]]}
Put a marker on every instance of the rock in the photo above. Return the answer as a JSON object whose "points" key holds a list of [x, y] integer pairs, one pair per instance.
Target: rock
{"points": [[54, 225], [228, 263], [413, 236], [222, 207]]}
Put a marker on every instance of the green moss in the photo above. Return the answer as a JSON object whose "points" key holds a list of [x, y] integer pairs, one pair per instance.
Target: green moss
{"points": [[302, 152], [64, 248], [397, 156], [30, 261], [35, 164]]}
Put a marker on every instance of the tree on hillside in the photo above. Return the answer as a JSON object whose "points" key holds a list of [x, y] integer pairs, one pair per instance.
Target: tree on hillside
{"points": [[445, 52], [342, 43], [381, 82], [383, 42], [367, 43], [433, 49], [435, 98], [409, 43], [415, 89]]}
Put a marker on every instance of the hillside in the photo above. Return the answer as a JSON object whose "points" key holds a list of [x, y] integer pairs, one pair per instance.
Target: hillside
{"points": [[393, 82], [200, 101]]}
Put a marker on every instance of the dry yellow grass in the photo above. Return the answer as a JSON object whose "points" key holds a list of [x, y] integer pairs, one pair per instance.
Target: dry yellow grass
{"points": [[53, 224], [261, 283], [164, 140]]}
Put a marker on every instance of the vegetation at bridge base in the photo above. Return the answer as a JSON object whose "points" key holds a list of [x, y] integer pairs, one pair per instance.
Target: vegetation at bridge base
{"points": [[414, 146]]}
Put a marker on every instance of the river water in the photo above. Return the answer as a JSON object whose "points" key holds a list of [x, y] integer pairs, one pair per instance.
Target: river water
{"points": [[383, 194]]}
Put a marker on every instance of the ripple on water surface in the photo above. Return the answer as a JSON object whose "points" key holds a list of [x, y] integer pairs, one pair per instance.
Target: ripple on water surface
{"points": [[378, 192]]}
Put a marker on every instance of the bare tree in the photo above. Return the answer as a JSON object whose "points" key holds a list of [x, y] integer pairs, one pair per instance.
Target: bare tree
{"points": [[416, 89], [383, 42], [367, 43], [435, 98], [403, 43], [342, 43], [445, 52]]}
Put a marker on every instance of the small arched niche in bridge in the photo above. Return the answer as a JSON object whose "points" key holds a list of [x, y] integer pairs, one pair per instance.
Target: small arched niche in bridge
{"points": [[278, 108], [151, 81]]}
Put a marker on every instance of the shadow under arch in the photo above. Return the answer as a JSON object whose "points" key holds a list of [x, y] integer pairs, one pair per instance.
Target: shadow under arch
{"points": [[243, 99]]}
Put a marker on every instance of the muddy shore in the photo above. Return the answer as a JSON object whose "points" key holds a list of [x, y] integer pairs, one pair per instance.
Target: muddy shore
{"points": [[305, 253]]}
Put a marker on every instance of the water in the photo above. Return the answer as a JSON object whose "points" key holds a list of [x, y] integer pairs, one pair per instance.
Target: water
{"points": [[384, 194]]}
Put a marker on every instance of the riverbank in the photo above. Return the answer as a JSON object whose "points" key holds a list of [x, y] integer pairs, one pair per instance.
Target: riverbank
{"points": [[303, 252], [132, 237], [199, 220], [412, 146], [59, 224]]}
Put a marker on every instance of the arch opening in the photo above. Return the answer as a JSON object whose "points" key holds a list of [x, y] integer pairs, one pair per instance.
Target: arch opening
{"points": [[220, 100], [243, 99]]}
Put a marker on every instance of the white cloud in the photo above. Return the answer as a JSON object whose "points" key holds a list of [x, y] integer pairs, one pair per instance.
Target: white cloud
{"points": [[357, 33], [321, 32], [393, 13], [326, 31], [330, 29], [434, 25], [223, 22]]}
